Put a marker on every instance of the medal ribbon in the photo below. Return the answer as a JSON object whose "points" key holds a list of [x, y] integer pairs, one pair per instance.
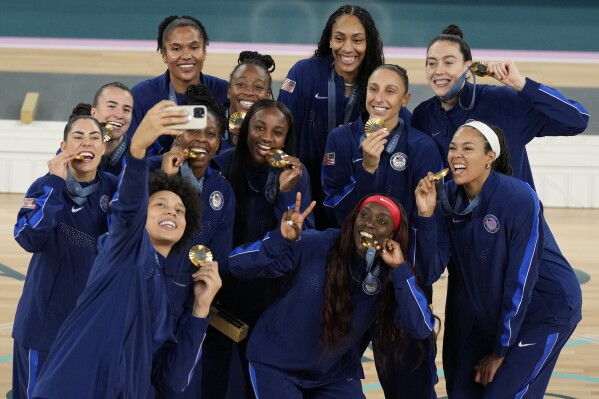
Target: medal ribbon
{"points": [[77, 193]]}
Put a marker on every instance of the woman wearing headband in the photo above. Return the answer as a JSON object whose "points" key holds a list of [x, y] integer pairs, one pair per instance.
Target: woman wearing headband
{"points": [[182, 43], [516, 308], [359, 162], [337, 288]]}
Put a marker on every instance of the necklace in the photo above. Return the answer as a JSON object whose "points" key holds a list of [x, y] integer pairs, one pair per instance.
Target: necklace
{"points": [[349, 84]]}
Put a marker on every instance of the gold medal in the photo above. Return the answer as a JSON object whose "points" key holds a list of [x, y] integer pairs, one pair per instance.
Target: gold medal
{"points": [[373, 124], [79, 157], [199, 254], [480, 68], [276, 158], [367, 239], [190, 154], [235, 121], [439, 175], [107, 129]]}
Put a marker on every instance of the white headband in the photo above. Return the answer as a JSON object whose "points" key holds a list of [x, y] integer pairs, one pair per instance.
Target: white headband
{"points": [[489, 134]]}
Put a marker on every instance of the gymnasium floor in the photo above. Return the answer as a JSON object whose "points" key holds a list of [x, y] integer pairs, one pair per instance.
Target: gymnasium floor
{"points": [[57, 72]]}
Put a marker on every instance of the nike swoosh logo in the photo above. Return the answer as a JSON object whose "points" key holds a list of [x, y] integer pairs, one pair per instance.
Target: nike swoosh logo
{"points": [[75, 210], [434, 134], [319, 98], [457, 221], [522, 345]]}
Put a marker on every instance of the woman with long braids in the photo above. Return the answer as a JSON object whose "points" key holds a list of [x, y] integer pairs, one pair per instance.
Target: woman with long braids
{"points": [[516, 309], [307, 342]]}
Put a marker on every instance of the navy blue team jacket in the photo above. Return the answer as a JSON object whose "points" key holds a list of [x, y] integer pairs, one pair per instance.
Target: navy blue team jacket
{"points": [[345, 181], [105, 347], [496, 253], [150, 92], [287, 335], [536, 111], [62, 237]]}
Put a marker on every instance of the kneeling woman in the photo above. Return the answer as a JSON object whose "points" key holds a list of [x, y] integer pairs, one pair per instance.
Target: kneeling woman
{"points": [[517, 309], [306, 342]]}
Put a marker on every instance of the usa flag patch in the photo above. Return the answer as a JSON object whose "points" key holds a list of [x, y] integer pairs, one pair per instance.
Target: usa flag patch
{"points": [[29, 203], [288, 85], [329, 159]]}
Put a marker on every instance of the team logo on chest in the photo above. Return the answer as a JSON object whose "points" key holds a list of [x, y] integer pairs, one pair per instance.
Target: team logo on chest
{"points": [[216, 200], [104, 202], [271, 193], [399, 161], [491, 223]]}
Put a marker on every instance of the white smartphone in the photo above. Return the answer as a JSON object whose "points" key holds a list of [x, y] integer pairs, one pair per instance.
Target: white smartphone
{"points": [[197, 117]]}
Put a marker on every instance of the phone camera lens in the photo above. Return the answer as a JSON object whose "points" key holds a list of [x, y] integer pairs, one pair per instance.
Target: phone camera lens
{"points": [[198, 112]]}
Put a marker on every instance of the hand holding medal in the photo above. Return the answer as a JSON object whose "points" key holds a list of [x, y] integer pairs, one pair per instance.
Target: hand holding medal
{"points": [[292, 166], [374, 144]]}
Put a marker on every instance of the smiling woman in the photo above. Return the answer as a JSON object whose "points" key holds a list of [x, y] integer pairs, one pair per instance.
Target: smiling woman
{"points": [[182, 43], [61, 217]]}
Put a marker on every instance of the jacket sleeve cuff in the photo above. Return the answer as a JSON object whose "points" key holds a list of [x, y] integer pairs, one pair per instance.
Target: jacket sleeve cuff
{"points": [[530, 89], [401, 273], [423, 223]]}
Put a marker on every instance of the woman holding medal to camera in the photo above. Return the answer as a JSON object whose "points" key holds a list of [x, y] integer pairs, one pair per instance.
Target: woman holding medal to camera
{"points": [[520, 309], [264, 180], [380, 152], [182, 43], [328, 89], [249, 82], [191, 158], [339, 284], [62, 216], [120, 336]]}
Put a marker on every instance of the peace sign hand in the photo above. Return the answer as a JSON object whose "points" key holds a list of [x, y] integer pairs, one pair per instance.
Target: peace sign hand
{"points": [[292, 221]]}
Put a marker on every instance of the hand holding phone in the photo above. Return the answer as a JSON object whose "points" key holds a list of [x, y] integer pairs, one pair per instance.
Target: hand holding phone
{"points": [[197, 117]]}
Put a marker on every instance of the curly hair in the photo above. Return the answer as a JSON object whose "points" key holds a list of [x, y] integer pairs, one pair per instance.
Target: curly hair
{"points": [[159, 181], [172, 22], [337, 309], [453, 33], [374, 46], [202, 95]]}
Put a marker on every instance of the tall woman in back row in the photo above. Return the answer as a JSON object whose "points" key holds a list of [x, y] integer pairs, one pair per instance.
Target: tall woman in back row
{"points": [[182, 43], [328, 89], [522, 309]]}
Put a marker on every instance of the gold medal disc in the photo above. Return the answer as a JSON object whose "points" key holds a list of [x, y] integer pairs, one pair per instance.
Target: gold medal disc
{"points": [[439, 175], [199, 254], [373, 124], [480, 68], [235, 120], [276, 158], [107, 129], [367, 239]]}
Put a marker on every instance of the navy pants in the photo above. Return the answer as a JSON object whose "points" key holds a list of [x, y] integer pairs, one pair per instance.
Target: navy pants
{"points": [[271, 383], [26, 366], [525, 370]]}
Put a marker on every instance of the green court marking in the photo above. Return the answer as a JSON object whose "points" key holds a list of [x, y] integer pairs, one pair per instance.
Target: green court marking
{"points": [[6, 271], [580, 341]]}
